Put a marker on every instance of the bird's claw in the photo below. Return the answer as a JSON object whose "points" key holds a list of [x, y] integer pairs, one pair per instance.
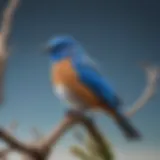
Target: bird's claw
{"points": [[80, 114]]}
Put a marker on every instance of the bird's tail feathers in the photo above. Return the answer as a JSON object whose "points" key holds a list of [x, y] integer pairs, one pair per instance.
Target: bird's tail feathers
{"points": [[126, 127]]}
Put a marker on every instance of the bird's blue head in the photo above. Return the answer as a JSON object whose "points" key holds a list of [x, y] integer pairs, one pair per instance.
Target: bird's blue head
{"points": [[61, 47]]}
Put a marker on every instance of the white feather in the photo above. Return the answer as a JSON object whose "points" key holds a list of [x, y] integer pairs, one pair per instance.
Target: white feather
{"points": [[65, 94]]}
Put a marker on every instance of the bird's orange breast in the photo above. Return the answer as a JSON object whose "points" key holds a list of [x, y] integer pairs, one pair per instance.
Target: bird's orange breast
{"points": [[62, 73]]}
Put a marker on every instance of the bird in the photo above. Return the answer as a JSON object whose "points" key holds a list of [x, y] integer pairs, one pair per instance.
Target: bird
{"points": [[76, 79]]}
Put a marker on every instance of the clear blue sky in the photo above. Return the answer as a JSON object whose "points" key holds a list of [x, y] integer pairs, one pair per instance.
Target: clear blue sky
{"points": [[117, 34]]}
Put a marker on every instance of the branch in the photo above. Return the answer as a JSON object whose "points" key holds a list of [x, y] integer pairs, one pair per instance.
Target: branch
{"points": [[37, 135], [4, 152], [152, 73], [4, 38], [41, 150], [68, 122], [7, 21], [13, 126], [16, 144], [56, 133]]}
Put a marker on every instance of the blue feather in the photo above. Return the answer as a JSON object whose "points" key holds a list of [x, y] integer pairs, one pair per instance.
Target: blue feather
{"points": [[89, 76]]}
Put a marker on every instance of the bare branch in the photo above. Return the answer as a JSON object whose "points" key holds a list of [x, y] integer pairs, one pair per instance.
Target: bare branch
{"points": [[37, 135], [56, 133], [40, 151], [68, 122], [13, 126], [4, 38], [4, 152], [15, 143], [152, 73], [7, 21]]}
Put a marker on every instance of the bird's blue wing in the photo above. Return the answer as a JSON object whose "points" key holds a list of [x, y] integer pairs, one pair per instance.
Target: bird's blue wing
{"points": [[90, 76]]}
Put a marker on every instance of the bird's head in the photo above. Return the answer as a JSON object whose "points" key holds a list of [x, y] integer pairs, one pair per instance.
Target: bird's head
{"points": [[61, 47]]}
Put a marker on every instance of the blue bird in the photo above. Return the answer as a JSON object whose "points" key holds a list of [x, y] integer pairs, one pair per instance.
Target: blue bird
{"points": [[76, 80]]}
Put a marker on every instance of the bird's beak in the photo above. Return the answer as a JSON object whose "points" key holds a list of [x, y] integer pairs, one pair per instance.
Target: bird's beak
{"points": [[46, 50]]}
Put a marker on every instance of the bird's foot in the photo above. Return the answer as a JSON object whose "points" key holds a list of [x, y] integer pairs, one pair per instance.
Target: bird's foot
{"points": [[79, 114]]}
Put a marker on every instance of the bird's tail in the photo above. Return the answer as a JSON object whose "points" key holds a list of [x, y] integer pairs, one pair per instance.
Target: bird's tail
{"points": [[126, 127]]}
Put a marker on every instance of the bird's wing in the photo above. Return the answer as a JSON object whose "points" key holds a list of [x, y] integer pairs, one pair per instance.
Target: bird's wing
{"points": [[90, 77]]}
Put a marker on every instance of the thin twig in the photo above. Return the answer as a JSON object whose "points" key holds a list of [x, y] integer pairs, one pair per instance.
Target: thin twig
{"points": [[37, 135], [5, 31], [7, 20], [4, 152], [153, 74], [56, 133]]}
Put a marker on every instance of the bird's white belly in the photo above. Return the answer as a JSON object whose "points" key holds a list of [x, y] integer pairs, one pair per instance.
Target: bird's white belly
{"points": [[65, 94]]}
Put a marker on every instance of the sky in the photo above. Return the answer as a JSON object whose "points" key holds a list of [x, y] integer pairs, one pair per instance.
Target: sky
{"points": [[118, 35]]}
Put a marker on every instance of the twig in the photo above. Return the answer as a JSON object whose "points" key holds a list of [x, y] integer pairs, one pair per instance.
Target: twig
{"points": [[7, 21], [4, 152], [13, 126], [4, 38], [153, 74], [16, 144], [37, 135], [56, 133]]}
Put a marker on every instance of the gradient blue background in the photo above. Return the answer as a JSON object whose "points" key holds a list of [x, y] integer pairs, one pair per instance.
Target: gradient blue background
{"points": [[117, 34]]}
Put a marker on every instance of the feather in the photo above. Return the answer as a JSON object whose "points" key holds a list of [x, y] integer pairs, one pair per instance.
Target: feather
{"points": [[91, 77]]}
